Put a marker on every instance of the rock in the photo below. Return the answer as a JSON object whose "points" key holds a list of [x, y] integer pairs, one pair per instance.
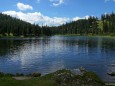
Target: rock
{"points": [[77, 78], [77, 72], [111, 74], [82, 69]]}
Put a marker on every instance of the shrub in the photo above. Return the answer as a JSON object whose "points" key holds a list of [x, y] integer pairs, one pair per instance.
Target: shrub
{"points": [[1, 74], [9, 75], [19, 74], [6, 34], [1, 35], [36, 74], [11, 34]]}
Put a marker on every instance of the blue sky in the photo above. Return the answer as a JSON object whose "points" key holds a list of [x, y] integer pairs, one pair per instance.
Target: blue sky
{"points": [[55, 12]]}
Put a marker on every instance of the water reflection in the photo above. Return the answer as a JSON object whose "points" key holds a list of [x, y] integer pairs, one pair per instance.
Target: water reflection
{"points": [[48, 54]]}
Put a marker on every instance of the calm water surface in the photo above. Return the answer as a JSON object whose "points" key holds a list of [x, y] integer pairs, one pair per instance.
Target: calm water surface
{"points": [[48, 54]]}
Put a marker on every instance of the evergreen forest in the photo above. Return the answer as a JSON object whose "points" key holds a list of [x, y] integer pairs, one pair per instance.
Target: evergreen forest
{"points": [[11, 27]]}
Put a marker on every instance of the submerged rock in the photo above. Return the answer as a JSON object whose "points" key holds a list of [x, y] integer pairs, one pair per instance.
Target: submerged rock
{"points": [[111, 74]]}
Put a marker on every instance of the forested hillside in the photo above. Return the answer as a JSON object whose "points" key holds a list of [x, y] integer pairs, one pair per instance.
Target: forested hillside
{"points": [[93, 25], [105, 25], [10, 26]]}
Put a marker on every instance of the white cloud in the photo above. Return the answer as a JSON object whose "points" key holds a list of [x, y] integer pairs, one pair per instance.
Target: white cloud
{"points": [[38, 1], [56, 2], [109, 0], [22, 6], [78, 18], [38, 18]]}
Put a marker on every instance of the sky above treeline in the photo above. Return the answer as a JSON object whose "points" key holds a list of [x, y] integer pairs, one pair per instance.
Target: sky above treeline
{"points": [[55, 12]]}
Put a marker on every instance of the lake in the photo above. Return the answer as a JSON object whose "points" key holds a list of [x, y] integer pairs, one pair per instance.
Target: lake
{"points": [[48, 54]]}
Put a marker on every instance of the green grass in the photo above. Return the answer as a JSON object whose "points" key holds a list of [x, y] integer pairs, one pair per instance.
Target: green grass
{"points": [[58, 78], [9, 81], [90, 35]]}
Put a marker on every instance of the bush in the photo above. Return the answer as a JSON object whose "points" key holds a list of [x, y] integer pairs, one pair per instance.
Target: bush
{"points": [[6, 34], [9, 75], [36, 74], [22, 36], [6, 75], [11, 34], [1, 35], [19, 74], [1, 74]]}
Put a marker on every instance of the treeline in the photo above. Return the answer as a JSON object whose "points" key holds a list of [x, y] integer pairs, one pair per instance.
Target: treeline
{"points": [[82, 26], [10, 26], [108, 21], [105, 25], [93, 25]]}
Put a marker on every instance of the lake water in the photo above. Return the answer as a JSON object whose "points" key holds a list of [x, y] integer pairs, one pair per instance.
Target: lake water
{"points": [[48, 54]]}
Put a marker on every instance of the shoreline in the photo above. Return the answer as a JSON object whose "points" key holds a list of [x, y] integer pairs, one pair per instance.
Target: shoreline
{"points": [[77, 77], [59, 73], [85, 35], [107, 36]]}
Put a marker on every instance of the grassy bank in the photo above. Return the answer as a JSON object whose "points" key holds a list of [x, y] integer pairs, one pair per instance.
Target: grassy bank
{"points": [[58, 78], [89, 35]]}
